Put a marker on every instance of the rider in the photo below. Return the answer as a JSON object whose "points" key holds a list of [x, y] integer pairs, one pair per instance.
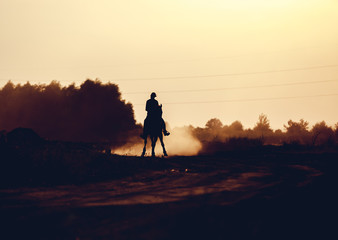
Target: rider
{"points": [[152, 108]]}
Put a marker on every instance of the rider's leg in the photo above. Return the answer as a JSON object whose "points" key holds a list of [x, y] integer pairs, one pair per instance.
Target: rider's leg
{"points": [[165, 132]]}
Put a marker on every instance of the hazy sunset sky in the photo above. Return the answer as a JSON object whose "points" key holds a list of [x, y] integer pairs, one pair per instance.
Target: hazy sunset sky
{"points": [[230, 59]]}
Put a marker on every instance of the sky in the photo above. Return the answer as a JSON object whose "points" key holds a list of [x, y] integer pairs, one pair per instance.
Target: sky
{"points": [[229, 59]]}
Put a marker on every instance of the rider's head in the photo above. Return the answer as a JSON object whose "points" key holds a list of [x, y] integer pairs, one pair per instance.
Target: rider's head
{"points": [[153, 95]]}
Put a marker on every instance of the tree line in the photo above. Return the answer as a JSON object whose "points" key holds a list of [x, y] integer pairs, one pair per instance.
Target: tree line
{"points": [[294, 132]]}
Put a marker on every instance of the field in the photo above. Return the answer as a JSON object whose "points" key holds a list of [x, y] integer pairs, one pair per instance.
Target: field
{"points": [[272, 193]]}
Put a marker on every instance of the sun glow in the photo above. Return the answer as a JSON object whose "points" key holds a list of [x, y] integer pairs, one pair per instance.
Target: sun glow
{"points": [[71, 41]]}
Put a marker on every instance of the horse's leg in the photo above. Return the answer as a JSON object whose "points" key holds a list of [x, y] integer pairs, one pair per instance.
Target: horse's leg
{"points": [[162, 143], [145, 146], [153, 144]]}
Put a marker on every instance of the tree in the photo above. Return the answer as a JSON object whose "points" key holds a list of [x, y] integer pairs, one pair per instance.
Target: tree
{"points": [[322, 134], [262, 126], [213, 129], [235, 129], [297, 131], [297, 127], [214, 124], [93, 112], [236, 126]]}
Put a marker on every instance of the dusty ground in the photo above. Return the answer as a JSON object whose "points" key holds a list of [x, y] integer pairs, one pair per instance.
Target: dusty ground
{"points": [[237, 196]]}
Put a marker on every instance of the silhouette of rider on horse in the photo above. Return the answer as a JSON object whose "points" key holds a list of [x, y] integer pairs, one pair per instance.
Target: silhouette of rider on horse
{"points": [[154, 116]]}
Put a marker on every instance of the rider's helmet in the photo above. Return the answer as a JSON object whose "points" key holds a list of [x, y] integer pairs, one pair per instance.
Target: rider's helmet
{"points": [[153, 95]]}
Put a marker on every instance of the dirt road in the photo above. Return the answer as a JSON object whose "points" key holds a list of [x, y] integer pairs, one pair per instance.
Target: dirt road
{"points": [[188, 198]]}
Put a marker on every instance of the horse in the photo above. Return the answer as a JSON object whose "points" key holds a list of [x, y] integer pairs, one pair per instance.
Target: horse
{"points": [[154, 131]]}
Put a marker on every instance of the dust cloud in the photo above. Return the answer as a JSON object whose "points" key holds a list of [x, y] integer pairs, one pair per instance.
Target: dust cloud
{"points": [[181, 142]]}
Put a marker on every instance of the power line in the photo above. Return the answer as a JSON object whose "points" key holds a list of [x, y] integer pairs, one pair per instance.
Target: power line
{"points": [[234, 88], [228, 74], [250, 99]]}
